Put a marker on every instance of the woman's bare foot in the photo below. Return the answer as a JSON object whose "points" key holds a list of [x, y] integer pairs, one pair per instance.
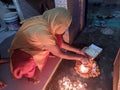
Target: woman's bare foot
{"points": [[2, 85], [34, 80]]}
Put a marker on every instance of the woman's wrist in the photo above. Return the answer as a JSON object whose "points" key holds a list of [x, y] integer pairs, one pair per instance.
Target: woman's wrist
{"points": [[83, 59], [80, 52]]}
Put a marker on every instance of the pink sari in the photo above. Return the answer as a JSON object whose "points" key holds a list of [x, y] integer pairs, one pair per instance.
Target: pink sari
{"points": [[22, 64]]}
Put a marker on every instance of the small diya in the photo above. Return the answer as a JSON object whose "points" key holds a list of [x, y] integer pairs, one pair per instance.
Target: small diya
{"points": [[92, 69], [87, 71]]}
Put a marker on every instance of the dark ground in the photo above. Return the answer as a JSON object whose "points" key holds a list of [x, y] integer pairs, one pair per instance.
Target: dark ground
{"points": [[95, 33]]}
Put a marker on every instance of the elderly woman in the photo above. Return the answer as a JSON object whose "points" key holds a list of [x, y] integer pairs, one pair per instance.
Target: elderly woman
{"points": [[39, 37]]}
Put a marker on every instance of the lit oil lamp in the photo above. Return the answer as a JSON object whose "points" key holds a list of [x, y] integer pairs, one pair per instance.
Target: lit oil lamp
{"points": [[87, 71], [92, 69], [67, 84]]}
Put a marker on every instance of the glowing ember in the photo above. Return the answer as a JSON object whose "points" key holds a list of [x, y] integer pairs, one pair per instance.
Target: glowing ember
{"points": [[66, 84], [83, 69]]}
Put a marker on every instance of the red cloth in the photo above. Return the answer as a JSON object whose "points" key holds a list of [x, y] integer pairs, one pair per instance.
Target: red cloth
{"points": [[59, 39], [23, 64]]}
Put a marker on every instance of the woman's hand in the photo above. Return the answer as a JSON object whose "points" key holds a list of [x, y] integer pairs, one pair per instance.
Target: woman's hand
{"points": [[84, 60], [80, 52]]}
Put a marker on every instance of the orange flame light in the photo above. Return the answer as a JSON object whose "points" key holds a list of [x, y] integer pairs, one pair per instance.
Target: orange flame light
{"points": [[67, 84], [83, 69], [91, 70]]}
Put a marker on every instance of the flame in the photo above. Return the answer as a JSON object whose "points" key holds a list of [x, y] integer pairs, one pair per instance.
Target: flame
{"points": [[87, 71], [67, 84], [81, 86], [84, 69]]}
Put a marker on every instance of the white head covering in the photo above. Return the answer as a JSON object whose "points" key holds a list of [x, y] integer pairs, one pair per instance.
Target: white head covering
{"points": [[59, 20]]}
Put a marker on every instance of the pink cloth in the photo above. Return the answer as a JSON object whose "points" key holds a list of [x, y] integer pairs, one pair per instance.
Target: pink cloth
{"points": [[22, 64], [59, 39]]}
